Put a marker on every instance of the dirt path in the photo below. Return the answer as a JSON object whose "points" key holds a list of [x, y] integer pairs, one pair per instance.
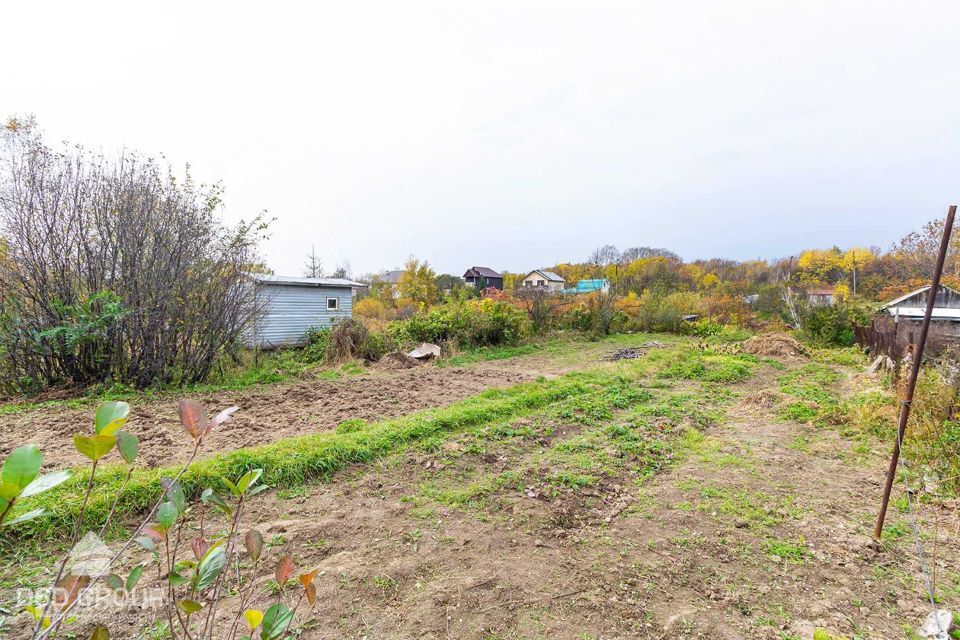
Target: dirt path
{"points": [[270, 413]]}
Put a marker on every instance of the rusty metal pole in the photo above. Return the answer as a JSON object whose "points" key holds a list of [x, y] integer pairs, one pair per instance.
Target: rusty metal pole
{"points": [[915, 371]]}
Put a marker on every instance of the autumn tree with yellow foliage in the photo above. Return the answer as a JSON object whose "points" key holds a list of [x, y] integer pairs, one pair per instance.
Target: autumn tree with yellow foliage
{"points": [[418, 283]]}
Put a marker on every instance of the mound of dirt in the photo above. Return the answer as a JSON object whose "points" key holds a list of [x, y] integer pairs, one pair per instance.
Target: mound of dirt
{"points": [[764, 398], [397, 360], [774, 344]]}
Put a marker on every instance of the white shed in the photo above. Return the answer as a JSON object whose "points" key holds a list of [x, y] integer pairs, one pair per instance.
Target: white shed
{"points": [[291, 306]]}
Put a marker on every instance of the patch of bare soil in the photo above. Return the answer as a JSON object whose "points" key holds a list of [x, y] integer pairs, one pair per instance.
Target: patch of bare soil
{"points": [[774, 344], [272, 412]]}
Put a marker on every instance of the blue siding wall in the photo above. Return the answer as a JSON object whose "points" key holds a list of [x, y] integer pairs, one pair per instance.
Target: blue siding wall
{"points": [[291, 310]]}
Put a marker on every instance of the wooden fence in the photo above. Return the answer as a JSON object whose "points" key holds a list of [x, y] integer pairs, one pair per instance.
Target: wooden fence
{"points": [[886, 337]]}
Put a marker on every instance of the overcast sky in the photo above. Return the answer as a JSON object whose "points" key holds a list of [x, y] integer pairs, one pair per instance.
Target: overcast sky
{"points": [[517, 134]]}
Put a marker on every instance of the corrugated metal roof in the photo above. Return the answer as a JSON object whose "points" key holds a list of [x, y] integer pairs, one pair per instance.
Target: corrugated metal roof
{"points": [[917, 312], [913, 293], [305, 282]]}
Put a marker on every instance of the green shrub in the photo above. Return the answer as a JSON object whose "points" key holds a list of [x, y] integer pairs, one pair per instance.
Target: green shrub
{"points": [[317, 341], [473, 323], [833, 324]]}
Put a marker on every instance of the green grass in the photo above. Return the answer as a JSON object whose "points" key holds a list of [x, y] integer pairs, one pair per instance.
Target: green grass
{"points": [[794, 552], [293, 461], [709, 367], [481, 354]]}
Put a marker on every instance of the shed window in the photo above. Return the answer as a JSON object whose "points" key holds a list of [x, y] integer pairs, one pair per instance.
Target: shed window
{"points": [[333, 304]]}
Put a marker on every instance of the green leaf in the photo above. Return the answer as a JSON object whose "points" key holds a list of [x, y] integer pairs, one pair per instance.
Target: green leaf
{"points": [[100, 633], [177, 580], [46, 482], [167, 514], [210, 567], [210, 497], [190, 606], [114, 582], [233, 488], [257, 489], [127, 444], [94, 447], [249, 479], [146, 542], [276, 621], [30, 515], [134, 577], [174, 493], [22, 465], [110, 417], [9, 491]]}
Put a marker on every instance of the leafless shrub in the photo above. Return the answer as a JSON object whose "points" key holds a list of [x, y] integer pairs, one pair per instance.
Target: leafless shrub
{"points": [[541, 306], [114, 270], [347, 341]]}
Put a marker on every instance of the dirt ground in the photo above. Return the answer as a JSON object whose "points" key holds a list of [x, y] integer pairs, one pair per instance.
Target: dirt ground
{"points": [[757, 530], [269, 413]]}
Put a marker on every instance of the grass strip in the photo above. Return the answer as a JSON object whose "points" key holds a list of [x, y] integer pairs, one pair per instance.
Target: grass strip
{"points": [[294, 460]]}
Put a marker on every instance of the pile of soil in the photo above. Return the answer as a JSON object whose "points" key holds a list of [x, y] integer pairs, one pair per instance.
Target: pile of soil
{"points": [[396, 360], [766, 398], [774, 344]]}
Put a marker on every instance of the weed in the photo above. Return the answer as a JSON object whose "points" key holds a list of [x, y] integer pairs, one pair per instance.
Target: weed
{"points": [[793, 552]]}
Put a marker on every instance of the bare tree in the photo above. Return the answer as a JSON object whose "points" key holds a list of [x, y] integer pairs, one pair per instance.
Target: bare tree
{"points": [[115, 270], [636, 253], [605, 255], [342, 271], [603, 311], [313, 265], [539, 303]]}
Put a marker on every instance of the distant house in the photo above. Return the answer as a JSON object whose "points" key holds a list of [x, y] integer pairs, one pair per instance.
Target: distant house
{"points": [[547, 279], [912, 306], [291, 306], [896, 327], [820, 296], [393, 277], [483, 278]]}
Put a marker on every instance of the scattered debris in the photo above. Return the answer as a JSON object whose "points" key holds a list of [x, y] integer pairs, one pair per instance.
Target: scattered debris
{"points": [[938, 625], [627, 353], [883, 362], [425, 351], [632, 353], [774, 344], [397, 360]]}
